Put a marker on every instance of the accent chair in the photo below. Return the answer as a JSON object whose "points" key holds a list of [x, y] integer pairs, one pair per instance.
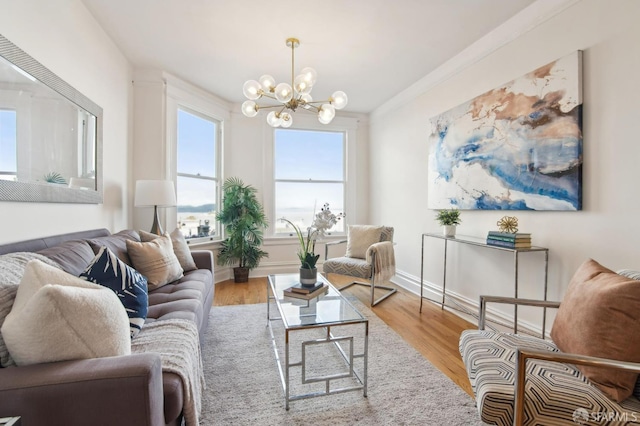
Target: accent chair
{"points": [[369, 255]]}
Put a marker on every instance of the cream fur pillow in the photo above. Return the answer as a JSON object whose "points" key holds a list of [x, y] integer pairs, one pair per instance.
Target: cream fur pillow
{"points": [[360, 238], [58, 317], [155, 260]]}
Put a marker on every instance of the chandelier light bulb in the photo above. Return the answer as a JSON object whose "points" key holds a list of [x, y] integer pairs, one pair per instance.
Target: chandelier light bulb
{"points": [[326, 113], [301, 85], [305, 99], [273, 119], [249, 109], [268, 83], [339, 99], [310, 75], [283, 93], [252, 90], [287, 120]]}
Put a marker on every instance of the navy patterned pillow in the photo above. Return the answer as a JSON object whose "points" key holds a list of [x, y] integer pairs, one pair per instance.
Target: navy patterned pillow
{"points": [[130, 285]]}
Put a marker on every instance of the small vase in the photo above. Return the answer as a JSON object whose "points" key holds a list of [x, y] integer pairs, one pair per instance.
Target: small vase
{"points": [[449, 230], [308, 277]]}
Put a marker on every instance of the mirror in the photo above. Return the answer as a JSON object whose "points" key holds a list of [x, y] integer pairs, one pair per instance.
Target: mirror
{"points": [[50, 135]]}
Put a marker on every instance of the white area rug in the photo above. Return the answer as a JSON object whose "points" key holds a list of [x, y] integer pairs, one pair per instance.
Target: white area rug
{"points": [[243, 384]]}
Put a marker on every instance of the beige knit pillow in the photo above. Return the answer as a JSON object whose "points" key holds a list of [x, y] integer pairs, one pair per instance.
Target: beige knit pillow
{"points": [[180, 248], [155, 260], [360, 238]]}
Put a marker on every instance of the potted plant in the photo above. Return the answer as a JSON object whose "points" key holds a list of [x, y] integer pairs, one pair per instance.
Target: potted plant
{"points": [[244, 222], [449, 219], [323, 221]]}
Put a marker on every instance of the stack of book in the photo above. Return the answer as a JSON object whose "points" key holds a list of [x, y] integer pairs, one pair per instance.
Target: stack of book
{"points": [[509, 240], [304, 292]]}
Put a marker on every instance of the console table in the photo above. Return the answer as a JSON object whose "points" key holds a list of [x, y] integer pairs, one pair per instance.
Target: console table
{"points": [[481, 242]]}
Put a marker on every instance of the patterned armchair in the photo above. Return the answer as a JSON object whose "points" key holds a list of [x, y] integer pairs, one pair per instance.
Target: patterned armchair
{"points": [[525, 380], [369, 255]]}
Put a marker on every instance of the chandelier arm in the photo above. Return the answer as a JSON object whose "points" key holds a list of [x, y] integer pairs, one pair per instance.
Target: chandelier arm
{"points": [[267, 95], [268, 106], [293, 48]]}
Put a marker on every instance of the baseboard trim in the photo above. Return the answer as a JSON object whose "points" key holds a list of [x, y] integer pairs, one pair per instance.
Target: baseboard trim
{"points": [[468, 308]]}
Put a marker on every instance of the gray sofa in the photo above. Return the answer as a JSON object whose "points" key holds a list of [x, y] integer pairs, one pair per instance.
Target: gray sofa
{"points": [[125, 390]]}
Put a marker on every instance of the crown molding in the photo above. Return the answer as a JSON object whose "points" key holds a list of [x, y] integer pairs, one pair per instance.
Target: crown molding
{"points": [[526, 20]]}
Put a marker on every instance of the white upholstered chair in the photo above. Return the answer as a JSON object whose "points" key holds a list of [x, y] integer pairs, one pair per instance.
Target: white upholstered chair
{"points": [[369, 255]]}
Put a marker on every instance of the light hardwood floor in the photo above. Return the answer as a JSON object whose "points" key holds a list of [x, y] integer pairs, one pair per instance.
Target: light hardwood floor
{"points": [[434, 332]]}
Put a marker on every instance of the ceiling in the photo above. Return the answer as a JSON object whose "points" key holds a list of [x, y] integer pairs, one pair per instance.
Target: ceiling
{"points": [[371, 49]]}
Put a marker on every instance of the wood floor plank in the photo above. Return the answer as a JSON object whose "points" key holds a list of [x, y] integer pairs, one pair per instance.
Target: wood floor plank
{"points": [[434, 332]]}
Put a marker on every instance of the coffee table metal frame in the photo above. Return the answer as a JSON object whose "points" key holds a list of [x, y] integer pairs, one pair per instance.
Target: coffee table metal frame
{"points": [[284, 366]]}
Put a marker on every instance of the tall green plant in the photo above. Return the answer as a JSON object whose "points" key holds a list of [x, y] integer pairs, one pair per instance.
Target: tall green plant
{"points": [[244, 222]]}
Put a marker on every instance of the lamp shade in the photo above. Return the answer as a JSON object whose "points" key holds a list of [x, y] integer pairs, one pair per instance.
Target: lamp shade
{"points": [[155, 193]]}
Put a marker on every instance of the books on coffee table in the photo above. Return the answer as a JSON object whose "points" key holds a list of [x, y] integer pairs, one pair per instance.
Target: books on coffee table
{"points": [[306, 289], [323, 288]]}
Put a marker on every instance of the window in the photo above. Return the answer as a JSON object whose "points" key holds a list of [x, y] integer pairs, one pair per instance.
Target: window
{"points": [[197, 170], [8, 144], [309, 171]]}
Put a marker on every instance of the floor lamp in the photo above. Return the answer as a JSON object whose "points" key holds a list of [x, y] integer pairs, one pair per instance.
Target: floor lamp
{"points": [[156, 193]]}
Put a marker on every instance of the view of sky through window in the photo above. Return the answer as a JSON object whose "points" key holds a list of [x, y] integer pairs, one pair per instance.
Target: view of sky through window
{"points": [[196, 168], [8, 135], [309, 170]]}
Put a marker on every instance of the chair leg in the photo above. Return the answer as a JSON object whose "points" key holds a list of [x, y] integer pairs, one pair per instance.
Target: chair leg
{"points": [[389, 290]]}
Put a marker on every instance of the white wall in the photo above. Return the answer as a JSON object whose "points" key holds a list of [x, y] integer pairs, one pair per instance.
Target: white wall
{"points": [[64, 37], [606, 228]]}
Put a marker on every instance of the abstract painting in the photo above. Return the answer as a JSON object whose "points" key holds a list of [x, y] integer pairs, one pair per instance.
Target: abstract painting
{"points": [[516, 147]]}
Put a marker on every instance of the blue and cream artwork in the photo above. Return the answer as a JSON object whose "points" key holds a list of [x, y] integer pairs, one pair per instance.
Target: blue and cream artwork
{"points": [[129, 285], [516, 147]]}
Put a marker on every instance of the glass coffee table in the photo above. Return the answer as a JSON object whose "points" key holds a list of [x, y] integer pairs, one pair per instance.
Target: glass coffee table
{"points": [[332, 338]]}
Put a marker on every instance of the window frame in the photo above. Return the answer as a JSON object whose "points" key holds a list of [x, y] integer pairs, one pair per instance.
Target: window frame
{"points": [[207, 107], [345, 125]]}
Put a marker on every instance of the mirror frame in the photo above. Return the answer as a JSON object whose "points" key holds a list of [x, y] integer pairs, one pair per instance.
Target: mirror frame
{"points": [[34, 192]]}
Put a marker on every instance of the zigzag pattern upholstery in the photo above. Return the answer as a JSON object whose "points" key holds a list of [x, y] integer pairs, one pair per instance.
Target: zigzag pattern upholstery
{"points": [[352, 266], [554, 391]]}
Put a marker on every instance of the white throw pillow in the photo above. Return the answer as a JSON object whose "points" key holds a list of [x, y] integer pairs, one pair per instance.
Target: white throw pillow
{"points": [[57, 317], [360, 238]]}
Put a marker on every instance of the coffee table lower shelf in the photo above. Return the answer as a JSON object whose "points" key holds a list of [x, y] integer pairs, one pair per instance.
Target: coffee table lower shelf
{"points": [[334, 382]]}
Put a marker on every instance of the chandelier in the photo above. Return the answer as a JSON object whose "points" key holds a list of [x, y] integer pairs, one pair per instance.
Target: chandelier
{"points": [[290, 97]]}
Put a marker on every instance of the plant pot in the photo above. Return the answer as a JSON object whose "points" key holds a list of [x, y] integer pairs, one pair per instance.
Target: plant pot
{"points": [[240, 275], [449, 230], [308, 276]]}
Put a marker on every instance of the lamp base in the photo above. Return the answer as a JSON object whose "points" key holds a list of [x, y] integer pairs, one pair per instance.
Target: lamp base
{"points": [[156, 228]]}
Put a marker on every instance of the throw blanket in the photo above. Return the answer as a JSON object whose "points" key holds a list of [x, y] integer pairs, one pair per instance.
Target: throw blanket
{"points": [[178, 344], [384, 262]]}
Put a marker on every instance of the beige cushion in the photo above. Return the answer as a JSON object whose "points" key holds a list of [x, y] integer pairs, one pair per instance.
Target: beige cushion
{"points": [[155, 260], [360, 237], [598, 317], [57, 317], [180, 248]]}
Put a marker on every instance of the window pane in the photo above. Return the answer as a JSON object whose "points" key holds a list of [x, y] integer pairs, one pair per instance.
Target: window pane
{"points": [[196, 206], [196, 145], [301, 154], [8, 158], [299, 202]]}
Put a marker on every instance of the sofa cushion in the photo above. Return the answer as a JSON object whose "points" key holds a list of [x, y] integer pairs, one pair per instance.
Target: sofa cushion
{"points": [[11, 270], [360, 238], [598, 313], [57, 317], [347, 266], [116, 243], [128, 284], [155, 260], [72, 256], [180, 248]]}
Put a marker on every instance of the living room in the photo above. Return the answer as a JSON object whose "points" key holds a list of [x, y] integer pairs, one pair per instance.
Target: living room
{"points": [[391, 143]]}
